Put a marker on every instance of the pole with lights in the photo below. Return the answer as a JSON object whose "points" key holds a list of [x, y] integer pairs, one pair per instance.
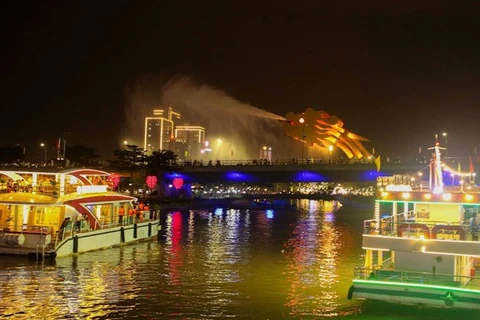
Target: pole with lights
{"points": [[302, 121], [44, 146], [446, 144]]}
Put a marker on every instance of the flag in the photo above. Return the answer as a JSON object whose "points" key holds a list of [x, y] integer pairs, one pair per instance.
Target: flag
{"points": [[373, 150], [419, 149], [459, 167], [377, 163], [470, 162]]}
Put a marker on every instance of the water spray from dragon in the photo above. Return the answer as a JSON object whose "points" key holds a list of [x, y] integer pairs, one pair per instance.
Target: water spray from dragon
{"points": [[247, 126]]}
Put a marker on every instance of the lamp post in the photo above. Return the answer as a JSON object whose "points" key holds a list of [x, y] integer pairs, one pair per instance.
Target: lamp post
{"points": [[446, 144], [219, 150], [302, 121], [45, 156]]}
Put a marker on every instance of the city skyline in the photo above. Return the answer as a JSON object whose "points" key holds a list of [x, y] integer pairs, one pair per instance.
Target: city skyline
{"points": [[396, 74]]}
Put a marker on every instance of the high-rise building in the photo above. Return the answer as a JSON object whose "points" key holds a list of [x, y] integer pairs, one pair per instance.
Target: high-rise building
{"points": [[189, 141], [159, 130]]}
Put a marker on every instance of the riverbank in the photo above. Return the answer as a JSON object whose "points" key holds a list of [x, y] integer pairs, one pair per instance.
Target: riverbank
{"points": [[259, 201]]}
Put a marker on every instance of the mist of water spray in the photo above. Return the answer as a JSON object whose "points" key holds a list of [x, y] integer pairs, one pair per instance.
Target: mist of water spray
{"points": [[236, 130], [185, 92]]}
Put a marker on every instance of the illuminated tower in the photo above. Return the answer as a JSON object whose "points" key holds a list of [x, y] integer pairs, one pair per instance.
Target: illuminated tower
{"points": [[159, 130], [189, 141]]}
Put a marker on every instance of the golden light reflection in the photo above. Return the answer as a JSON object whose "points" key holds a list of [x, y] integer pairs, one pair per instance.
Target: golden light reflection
{"points": [[312, 267], [210, 264], [70, 289]]}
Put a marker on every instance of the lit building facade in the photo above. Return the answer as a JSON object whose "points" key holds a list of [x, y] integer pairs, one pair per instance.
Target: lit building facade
{"points": [[189, 141], [159, 130]]}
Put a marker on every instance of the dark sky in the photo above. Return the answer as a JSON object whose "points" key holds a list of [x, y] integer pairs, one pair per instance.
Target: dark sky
{"points": [[396, 72]]}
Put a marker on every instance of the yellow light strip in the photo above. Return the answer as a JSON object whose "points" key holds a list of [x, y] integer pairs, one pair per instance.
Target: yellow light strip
{"points": [[377, 249]]}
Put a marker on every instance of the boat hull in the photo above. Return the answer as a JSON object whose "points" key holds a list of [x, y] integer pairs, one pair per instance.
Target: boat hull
{"points": [[89, 241], [416, 294], [106, 238]]}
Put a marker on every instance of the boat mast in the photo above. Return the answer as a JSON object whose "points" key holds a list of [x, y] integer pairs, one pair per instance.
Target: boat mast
{"points": [[436, 169]]}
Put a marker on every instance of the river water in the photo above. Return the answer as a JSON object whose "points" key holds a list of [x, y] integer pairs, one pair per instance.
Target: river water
{"points": [[212, 264]]}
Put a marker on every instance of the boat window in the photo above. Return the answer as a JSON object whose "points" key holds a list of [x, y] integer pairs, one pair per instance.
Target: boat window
{"points": [[46, 216]]}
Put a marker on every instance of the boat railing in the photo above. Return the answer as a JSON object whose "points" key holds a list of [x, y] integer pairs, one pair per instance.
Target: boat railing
{"points": [[64, 233], [406, 225], [103, 223], [428, 278], [25, 229]]}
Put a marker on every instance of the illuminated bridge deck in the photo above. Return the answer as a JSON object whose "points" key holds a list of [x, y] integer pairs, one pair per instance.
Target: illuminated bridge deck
{"points": [[277, 173]]}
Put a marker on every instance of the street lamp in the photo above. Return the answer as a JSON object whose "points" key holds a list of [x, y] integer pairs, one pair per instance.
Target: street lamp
{"points": [[219, 150], [302, 121], [420, 174], [446, 144], [43, 145]]}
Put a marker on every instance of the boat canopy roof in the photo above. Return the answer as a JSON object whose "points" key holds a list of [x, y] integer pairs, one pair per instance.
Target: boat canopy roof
{"points": [[31, 198], [16, 174], [467, 198], [96, 195], [24, 197]]}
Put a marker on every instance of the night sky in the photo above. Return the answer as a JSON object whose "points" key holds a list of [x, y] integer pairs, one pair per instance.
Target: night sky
{"points": [[396, 72]]}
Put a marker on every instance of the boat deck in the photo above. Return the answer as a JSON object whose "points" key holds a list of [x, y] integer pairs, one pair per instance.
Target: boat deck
{"points": [[427, 278], [406, 226], [474, 283]]}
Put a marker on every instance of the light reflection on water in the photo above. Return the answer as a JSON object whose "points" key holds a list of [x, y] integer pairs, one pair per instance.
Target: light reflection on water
{"points": [[313, 266], [209, 264]]}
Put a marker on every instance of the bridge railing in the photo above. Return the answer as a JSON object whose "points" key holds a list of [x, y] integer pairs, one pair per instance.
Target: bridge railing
{"points": [[276, 162], [452, 161]]}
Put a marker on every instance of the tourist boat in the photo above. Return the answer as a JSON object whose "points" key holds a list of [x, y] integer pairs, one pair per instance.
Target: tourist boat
{"points": [[421, 247], [48, 214]]}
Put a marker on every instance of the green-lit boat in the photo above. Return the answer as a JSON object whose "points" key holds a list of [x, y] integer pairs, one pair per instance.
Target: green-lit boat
{"points": [[421, 247]]}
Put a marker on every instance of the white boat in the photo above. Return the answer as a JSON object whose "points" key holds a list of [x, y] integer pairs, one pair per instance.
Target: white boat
{"points": [[68, 212], [420, 247]]}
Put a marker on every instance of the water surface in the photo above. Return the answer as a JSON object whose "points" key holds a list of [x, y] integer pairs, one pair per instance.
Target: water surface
{"points": [[211, 264]]}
